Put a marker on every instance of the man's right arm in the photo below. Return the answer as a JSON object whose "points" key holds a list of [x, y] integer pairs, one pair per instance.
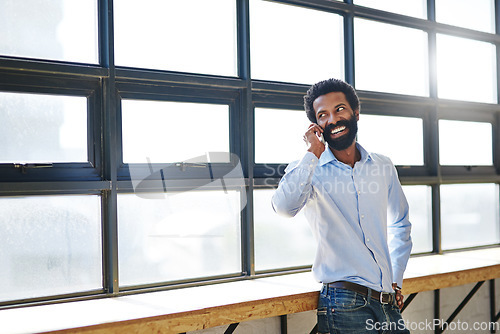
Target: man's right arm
{"points": [[295, 186]]}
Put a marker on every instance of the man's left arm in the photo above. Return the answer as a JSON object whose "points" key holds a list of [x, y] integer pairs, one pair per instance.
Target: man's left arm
{"points": [[399, 228]]}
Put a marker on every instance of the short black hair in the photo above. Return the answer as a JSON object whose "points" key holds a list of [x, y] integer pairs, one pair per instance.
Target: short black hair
{"points": [[325, 87]]}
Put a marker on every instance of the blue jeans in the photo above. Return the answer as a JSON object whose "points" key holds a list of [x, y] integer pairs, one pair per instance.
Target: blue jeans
{"points": [[345, 311]]}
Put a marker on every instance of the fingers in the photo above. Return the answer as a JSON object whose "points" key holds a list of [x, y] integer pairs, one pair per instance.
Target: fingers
{"points": [[399, 299], [314, 130], [313, 138]]}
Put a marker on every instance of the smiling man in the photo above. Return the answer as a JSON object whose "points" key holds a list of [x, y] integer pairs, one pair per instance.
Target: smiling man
{"points": [[358, 213]]}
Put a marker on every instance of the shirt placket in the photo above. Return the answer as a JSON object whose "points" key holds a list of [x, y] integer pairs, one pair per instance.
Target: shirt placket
{"points": [[357, 182]]}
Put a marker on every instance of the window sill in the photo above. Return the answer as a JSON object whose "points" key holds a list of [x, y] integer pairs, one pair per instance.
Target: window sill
{"points": [[189, 309]]}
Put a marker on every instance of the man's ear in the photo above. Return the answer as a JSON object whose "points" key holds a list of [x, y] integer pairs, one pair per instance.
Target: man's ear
{"points": [[356, 113]]}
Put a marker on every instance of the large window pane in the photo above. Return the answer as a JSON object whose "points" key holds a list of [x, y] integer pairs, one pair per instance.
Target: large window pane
{"points": [[155, 131], [279, 135], [280, 242], [463, 61], [43, 128], [56, 29], [285, 49], [477, 14], [390, 58], [465, 143], [416, 8], [185, 235], [469, 215], [419, 199], [180, 35], [50, 245], [399, 138]]}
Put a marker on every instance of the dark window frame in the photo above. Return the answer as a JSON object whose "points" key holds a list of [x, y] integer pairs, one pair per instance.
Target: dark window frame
{"points": [[105, 84]]}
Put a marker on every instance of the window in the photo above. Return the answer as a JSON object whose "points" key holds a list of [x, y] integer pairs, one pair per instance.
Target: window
{"points": [[390, 58], [189, 130], [51, 245], [284, 49], [399, 138], [142, 141], [279, 135], [415, 8], [183, 235], [419, 200], [58, 30], [43, 128], [460, 12], [461, 60], [465, 143], [189, 36], [469, 215], [276, 238]]}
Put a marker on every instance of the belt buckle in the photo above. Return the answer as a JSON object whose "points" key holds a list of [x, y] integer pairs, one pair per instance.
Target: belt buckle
{"points": [[381, 298]]}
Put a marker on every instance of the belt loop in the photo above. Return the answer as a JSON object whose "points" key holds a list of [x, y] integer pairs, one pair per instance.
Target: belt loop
{"points": [[326, 289], [369, 294]]}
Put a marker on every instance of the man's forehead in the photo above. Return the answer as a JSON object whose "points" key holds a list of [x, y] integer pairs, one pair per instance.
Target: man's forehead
{"points": [[332, 98]]}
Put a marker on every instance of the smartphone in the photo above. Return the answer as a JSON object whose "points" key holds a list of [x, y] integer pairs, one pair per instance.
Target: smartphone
{"points": [[322, 139]]}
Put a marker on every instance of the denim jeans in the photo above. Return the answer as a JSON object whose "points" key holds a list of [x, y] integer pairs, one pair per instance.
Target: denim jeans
{"points": [[346, 311]]}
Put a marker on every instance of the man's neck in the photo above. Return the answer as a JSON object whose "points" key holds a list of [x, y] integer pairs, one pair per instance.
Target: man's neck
{"points": [[349, 156]]}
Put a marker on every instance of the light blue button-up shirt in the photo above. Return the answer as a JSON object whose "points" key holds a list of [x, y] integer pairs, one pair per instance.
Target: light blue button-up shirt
{"points": [[359, 217]]}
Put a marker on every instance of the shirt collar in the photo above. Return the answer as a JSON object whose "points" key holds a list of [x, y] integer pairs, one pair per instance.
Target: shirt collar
{"points": [[327, 156]]}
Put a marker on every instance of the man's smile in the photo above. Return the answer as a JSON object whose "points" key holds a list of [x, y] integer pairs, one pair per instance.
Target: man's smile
{"points": [[338, 131]]}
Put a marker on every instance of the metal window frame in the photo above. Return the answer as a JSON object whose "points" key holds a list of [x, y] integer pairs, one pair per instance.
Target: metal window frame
{"points": [[106, 84]]}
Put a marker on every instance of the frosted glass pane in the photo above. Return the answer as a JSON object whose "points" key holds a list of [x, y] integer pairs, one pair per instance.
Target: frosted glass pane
{"points": [[419, 200], [56, 29], [158, 131], [477, 14], [285, 49], [390, 58], [180, 35], [416, 8], [461, 61], [43, 128], [185, 235], [465, 143], [399, 138], [50, 245], [469, 215], [279, 144], [280, 242]]}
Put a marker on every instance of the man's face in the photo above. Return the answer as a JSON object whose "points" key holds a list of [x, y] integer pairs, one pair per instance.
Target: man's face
{"points": [[338, 120]]}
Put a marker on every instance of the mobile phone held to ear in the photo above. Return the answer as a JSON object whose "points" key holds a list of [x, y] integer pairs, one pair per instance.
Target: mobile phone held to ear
{"points": [[321, 138]]}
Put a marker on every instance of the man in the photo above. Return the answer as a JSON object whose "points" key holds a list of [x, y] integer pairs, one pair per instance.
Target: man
{"points": [[358, 213]]}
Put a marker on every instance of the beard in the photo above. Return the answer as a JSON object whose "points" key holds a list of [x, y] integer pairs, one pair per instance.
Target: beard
{"points": [[344, 141]]}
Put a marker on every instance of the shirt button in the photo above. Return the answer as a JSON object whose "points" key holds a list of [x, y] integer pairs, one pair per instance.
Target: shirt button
{"points": [[362, 216], [367, 239], [359, 192]]}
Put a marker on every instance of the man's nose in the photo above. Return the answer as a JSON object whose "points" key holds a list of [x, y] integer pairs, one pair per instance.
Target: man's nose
{"points": [[331, 119]]}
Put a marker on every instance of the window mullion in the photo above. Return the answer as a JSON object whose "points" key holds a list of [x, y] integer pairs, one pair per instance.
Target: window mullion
{"points": [[110, 156]]}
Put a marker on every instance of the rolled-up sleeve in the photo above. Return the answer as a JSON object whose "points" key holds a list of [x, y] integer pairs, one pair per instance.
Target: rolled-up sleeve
{"points": [[295, 186]]}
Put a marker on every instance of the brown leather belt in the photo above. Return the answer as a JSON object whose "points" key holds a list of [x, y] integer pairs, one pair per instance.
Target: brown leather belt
{"points": [[382, 297]]}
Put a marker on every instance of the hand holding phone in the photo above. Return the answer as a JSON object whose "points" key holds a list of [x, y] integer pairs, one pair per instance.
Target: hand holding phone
{"points": [[314, 139]]}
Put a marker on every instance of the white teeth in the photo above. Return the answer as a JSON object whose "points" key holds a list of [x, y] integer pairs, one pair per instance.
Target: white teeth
{"points": [[337, 130]]}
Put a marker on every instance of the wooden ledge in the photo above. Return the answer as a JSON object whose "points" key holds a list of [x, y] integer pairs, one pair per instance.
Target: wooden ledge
{"points": [[190, 309], [434, 272], [447, 280], [209, 317]]}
